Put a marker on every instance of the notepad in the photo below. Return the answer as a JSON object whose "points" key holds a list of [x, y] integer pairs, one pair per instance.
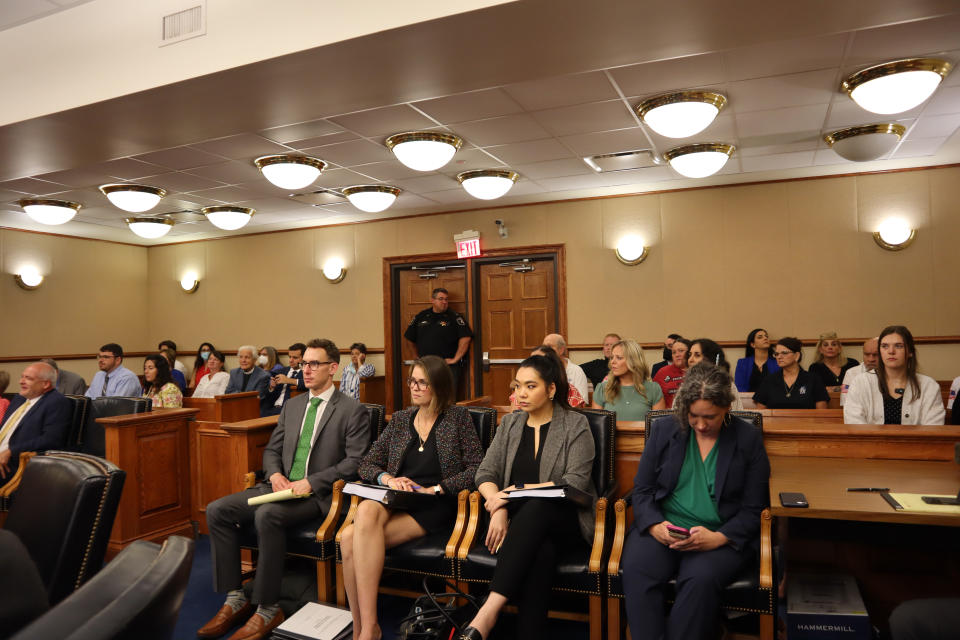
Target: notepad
{"points": [[914, 502], [316, 621]]}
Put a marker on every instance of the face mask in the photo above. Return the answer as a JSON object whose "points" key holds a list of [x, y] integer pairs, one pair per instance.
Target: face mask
{"points": [[261, 361], [204, 355], [667, 354]]}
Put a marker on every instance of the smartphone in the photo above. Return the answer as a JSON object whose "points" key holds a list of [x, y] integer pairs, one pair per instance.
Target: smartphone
{"points": [[678, 532], [789, 499], [936, 500]]}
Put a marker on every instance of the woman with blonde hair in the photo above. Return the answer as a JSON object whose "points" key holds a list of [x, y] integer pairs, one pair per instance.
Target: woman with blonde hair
{"points": [[831, 365], [628, 390]]}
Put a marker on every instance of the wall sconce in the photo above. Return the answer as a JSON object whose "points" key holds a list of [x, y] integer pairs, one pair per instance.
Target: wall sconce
{"points": [[894, 234], [190, 282], [28, 278], [630, 250], [334, 271]]}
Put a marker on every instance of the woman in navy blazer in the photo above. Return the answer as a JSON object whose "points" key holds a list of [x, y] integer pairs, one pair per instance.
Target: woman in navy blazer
{"points": [[673, 478]]}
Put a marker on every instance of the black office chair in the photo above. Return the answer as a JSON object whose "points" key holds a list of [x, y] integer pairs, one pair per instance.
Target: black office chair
{"points": [[137, 595], [753, 590], [78, 420], [63, 513], [580, 569], [92, 438]]}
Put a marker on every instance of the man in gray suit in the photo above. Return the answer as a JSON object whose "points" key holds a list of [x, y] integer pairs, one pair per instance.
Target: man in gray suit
{"points": [[320, 437], [68, 382]]}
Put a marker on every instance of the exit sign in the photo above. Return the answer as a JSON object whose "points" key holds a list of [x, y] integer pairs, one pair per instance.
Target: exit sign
{"points": [[469, 248]]}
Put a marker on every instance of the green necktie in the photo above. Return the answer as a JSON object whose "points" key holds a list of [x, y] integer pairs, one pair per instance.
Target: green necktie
{"points": [[299, 468]]}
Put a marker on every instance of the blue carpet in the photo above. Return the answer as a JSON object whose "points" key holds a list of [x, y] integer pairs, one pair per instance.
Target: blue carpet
{"points": [[201, 602]]}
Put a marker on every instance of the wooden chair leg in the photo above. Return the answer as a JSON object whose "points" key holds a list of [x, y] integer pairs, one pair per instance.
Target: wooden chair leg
{"points": [[596, 618], [613, 618], [326, 588], [766, 627], [341, 591]]}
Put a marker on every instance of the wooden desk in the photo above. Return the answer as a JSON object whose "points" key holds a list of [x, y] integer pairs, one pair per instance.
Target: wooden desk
{"points": [[825, 480], [231, 407]]}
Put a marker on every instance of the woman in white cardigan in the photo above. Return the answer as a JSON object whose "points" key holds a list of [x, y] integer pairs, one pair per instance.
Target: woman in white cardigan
{"points": [[214, 383], [895, 393]]}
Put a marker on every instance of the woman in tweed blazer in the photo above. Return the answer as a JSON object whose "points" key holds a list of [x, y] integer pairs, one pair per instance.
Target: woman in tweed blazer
{"points": [[431, 448], [543, 444]]}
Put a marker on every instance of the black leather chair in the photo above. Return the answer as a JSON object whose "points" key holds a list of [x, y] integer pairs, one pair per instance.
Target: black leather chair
{"points": [[92, 438], [315, 539], [63, 513], [579, 570], [78, 420], [137, 595], [753, 590]]}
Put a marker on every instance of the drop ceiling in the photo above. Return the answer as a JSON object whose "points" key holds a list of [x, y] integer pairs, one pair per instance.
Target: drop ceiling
{"points": [[534, 86]]}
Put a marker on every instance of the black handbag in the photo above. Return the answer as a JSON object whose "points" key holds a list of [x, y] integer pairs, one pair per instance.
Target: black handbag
{"points": [[436, 616]]}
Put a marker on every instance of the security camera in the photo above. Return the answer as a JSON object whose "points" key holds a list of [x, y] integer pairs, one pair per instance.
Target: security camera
{"points": [[501, 228]]}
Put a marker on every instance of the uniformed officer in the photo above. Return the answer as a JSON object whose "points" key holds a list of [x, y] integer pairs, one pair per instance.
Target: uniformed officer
{"points": [[439, 331]]}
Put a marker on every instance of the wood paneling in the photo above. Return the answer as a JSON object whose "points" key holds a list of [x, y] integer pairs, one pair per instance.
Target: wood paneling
{"points": [[232, 407]]}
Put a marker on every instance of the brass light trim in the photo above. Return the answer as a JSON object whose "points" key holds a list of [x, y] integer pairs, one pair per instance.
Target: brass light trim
{"points": [[429, 136], [27, 202], [23, 285], [936, 65], [700, 147], [142, 188], [894, 247], [343, 274], [369, 188], [193, 289], [708, 97], [264, 161], [488, 173], [154, 220], [225, 208], [636, 261], [852, 132]]}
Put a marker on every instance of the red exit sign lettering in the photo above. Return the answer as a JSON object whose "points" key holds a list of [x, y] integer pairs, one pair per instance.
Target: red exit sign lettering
{"points": [[469, 248]]}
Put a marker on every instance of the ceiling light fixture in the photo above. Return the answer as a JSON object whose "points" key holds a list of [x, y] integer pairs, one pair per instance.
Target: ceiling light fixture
{"points": [[630, 250], [424, 150], [135, 198], [699, 160], [334, 270], [28, 278], [868, 142], [894, 234], [150, 228], [488, 184], [895, 87], [49, 211], [681, 114], [228, 217], [290, 172], [372, 198]]}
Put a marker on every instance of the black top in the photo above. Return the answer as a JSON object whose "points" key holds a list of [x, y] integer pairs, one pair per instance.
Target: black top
{"points": [[892, 409], [806, 391], [823, 372], [757, 376], [422, 467], [596, 370], [437, 334], [526, 466], [657, 367]]}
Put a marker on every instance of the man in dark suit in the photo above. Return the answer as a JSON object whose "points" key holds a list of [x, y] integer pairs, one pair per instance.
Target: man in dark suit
{"points": [[249, 377], [285, 381], [38, 419], [320, 437]]}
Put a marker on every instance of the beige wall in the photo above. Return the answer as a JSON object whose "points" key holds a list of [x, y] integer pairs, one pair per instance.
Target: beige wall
{"points": [[796, 258]]}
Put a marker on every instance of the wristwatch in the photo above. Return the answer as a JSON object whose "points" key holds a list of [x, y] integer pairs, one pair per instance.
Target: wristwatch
{"points": [[519, 485], [437, 489]]}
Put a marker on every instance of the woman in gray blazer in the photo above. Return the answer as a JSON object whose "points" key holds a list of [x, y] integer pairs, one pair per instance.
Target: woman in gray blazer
{"points": [[543, 444]]}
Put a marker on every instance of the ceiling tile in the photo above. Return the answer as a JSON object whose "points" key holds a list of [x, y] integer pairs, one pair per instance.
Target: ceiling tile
{"points": [[246, 146], [386, 171], [319, 141], [337, 179], [77, 178], [426, 184], [586, 118], [33, 186], [301, 131], [589, 144], [917, 148], [562, 91], [790, 56], [847, 113], [475, 105], [745, 151], [528, 152], [469, 159], [452, 196], [812, 87], [945, 100], [670, 75], [758, 123], [351, 153], [777, 161], [407, 200], [275, 205], [905, 40], [383, 121], [261, 187], [554, 168], [935, 126], [179, 158], [230, 195], [125, 169], [177, 182], [515, 128], [233, 172]]}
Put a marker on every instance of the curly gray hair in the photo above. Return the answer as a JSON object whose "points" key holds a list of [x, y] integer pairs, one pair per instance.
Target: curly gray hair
{"points": [[703, 381]]}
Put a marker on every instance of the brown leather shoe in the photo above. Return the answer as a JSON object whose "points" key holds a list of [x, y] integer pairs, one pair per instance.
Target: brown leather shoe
{"points": [[256, 628], [225, 620]]}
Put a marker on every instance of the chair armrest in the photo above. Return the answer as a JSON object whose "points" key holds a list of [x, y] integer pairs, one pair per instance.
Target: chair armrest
{"points": [[766, 550], [326, 531], [250, 480], [459, 526], [600, 535], [619, 536], [473, 522], [351, 514], [14, 482]]}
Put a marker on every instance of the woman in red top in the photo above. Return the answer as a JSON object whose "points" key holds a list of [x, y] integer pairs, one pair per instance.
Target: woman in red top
{"points": [[200, 368], [670, 376]]}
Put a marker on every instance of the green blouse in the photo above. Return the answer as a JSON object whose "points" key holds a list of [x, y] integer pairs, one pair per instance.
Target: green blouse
{"points": [[629, 404], [693, 502]]}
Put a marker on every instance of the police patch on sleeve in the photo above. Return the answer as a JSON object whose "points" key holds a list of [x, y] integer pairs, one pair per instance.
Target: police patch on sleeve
{"points": [[461, 322]]}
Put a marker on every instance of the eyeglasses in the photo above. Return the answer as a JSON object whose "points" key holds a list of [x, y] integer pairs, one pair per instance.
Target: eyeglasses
{"points": [[782, 354], [108, 356], [313, 365], [419, 385]]}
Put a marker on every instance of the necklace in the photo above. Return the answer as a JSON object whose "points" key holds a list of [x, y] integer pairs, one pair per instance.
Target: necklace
{"points": [[419, 437]]}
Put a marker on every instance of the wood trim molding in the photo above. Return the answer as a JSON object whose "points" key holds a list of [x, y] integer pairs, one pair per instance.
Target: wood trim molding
{"points": [[807, 342], [142, 354]]}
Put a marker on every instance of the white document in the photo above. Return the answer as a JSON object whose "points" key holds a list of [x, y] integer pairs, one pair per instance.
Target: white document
{"points": [[316, 622], [368, 491]]}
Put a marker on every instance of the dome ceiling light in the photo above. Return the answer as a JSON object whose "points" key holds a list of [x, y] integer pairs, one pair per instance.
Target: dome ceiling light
{"points": [[424, 150], [681, 114], [290, 172], [228, 217], [149, 228], [699, 160], [895, 87], [372, 198], [488, 184], [869, 142], [49, 211], [133, 198]]}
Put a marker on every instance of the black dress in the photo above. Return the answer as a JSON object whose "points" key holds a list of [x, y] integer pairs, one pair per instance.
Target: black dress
{"points": [[804, 393], [826, 376], [423, 467]]}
